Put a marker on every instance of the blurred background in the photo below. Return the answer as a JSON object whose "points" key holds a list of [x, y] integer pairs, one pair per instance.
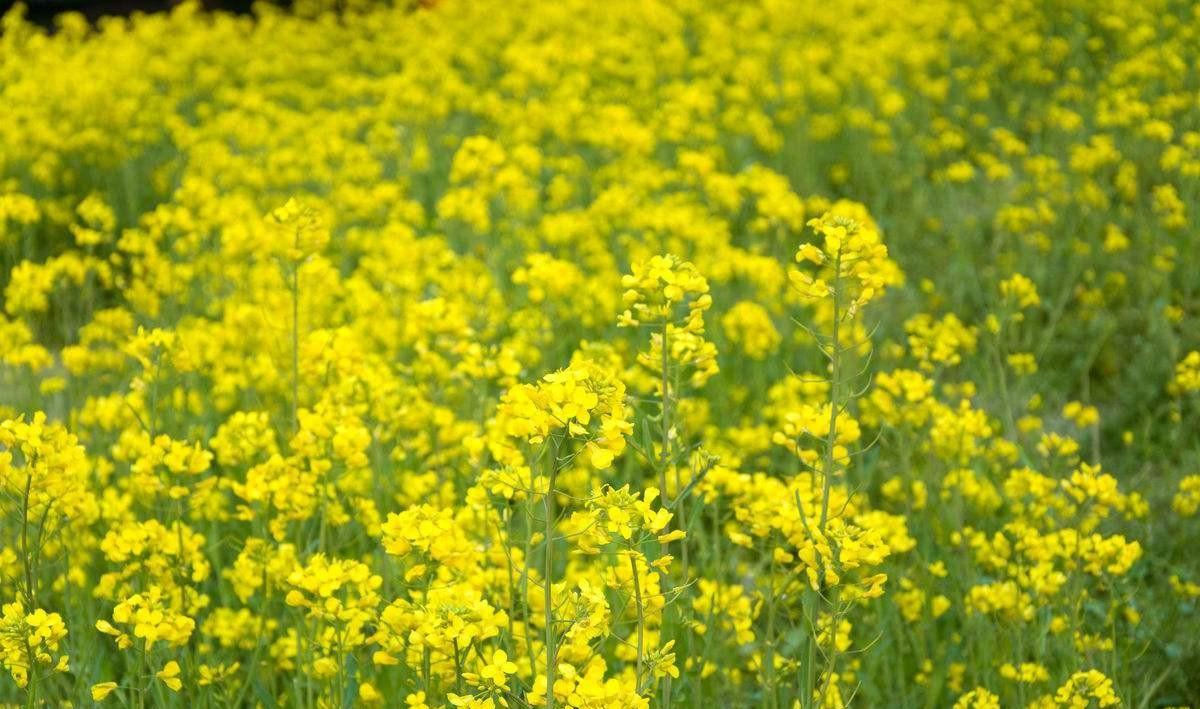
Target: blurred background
{"points": [[43, 11]]}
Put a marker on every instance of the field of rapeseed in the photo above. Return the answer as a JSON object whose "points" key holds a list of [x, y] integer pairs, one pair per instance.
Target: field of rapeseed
{"points": [[638, 353]]}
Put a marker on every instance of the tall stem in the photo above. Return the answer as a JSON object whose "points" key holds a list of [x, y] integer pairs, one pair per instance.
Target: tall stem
{"points": [[26, 556], [835, 374], [827, 470], [637, 594], [664, 455], [548, 581], [259, 644], [296, 341], [526, 613], [810, 672], [31, 690], [769, 695]]}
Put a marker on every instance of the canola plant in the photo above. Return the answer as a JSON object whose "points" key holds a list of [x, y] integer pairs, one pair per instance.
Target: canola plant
{"points": [[577, 355]]}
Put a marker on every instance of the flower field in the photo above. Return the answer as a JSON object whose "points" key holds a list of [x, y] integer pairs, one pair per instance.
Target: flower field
{"points": [[625, 354]]}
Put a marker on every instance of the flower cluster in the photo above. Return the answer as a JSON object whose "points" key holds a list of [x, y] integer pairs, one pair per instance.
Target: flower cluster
{"points": [[643, 353], [29, 642]]}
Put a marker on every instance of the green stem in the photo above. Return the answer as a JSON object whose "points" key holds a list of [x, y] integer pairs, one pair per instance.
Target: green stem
{"points": [[810, 672], [664, 455], [548, 581], [835, 364], [637, 594], [296, 342], [526, 613], [835, 376], [26, 557], [31, 691], [458, 674], [769, 655]]}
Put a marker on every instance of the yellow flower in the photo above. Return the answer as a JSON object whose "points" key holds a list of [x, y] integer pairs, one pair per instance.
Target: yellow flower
{"points": [[169, 675], [496, 672], [102, 690]]}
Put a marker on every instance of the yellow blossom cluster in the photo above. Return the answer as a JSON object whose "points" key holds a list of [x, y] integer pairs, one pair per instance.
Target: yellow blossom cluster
{"points": [[637, 354]]}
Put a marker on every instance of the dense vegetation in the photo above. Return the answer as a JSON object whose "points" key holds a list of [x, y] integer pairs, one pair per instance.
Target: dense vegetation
{"points": [[621, 354]]}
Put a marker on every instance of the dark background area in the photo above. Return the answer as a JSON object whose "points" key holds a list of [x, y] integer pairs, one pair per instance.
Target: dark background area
{"points": [[43, 11]]}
